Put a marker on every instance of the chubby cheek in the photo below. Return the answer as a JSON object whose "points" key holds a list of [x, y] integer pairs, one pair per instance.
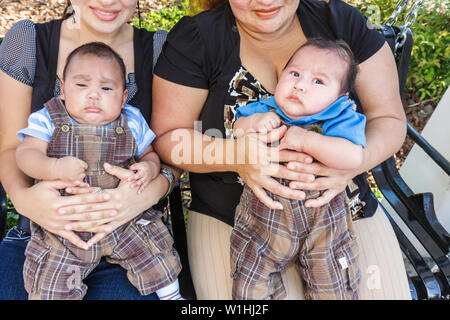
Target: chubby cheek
{"points": [[282, 90]]}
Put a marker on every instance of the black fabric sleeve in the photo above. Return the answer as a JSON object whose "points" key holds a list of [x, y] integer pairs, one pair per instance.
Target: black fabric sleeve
{"points": [[184, 57], [353, 27]]}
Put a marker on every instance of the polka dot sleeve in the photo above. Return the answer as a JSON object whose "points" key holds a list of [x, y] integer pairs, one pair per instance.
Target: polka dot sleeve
{"points": [[18, 52]]}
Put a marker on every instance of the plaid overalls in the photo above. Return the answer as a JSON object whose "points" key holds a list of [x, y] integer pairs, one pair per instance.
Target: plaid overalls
{"points": [[54, 268], [320, 240]]}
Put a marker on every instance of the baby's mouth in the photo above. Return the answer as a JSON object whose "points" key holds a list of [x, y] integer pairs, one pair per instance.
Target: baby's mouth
{"points": [[93, 109], [293, 97]]}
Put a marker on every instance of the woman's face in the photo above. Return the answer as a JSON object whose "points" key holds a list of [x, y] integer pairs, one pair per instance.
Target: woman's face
{"points": [[104, 16], [264, 16]]}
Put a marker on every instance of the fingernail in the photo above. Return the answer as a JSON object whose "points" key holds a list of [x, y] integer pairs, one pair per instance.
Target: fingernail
{"points": [[112, 213], [62, 211], [68, 190], [68, 227], [107, 229], [106, 196]]}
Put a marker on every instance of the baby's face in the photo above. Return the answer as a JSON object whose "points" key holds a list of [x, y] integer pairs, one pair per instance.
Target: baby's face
{"points": [[311, 82], [93, 89]]}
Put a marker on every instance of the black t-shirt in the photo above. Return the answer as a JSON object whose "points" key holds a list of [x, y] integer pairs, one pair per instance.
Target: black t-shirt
{"points": [[203, 52]]}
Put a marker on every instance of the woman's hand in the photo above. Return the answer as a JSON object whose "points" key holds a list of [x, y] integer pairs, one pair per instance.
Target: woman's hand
{"points": [[124, 204], [332, 181], [42, 203], [262, 164]]}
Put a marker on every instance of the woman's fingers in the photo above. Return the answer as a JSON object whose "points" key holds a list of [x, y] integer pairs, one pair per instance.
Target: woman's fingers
{"points": [[96, 238], [273, 135], [90, 226], [264, 198], [118, 172], [294, 156], [73, 238], [325, 198], [270, 184], [88, 216], [73, 190], [84, 202], [285, 173]]}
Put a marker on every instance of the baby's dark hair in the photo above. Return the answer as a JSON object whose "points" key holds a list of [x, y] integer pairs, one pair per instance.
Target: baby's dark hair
{"points": [[343, 50], [98, 49]]}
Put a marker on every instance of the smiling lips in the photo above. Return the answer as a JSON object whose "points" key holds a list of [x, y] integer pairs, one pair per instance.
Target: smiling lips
{"points": [[267, 13], [106, 15]]}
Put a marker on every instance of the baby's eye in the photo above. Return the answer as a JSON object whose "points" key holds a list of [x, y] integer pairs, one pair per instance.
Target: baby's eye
{"points": [[81, 85], [317, 81], [106, 88], [295, 74]]}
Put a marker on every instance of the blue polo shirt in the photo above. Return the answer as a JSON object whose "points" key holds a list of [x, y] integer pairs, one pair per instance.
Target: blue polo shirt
{"points": [[340, 119]]}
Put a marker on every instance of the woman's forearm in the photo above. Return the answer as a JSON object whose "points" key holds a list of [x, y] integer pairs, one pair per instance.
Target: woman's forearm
{"points": [[190, 150], [384, 137], [12, 178]]}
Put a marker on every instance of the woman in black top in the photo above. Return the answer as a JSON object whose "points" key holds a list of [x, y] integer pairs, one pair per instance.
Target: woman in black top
{"points": [[31, 61], [232, 55]]}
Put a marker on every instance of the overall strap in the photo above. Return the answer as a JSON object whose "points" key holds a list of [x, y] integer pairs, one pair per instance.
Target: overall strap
{"points": [[57, 111]]}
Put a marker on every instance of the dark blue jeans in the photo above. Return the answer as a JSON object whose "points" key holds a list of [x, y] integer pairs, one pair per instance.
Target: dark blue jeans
{"points": [[106, 282]]}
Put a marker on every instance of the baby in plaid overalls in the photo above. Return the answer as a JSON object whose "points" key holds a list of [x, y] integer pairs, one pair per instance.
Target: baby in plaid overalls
{"points": [[311, 98], [71, 141]]}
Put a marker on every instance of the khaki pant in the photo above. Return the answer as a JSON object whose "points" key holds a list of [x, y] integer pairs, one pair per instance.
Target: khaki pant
{"points": [[383, 275]]}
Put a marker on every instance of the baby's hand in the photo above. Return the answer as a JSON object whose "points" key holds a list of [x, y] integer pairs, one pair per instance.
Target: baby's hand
{"points": [[265, 122], [71, 169], [144, 173], [293, 139]]}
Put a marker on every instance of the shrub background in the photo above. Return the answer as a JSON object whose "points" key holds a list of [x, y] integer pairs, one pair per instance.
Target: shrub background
{"points": [[428, 75]]}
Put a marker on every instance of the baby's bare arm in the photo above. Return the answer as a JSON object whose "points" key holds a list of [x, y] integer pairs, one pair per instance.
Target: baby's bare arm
{"points": [[32, 159], [257, 122], [334, 152], [146, 169]]}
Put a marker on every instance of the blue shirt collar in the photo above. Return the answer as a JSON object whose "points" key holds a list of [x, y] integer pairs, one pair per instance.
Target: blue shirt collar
{"points": [[332, 111]]}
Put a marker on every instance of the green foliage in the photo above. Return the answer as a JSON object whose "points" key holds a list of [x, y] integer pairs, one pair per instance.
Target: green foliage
{"points": [[12, 216], [428, 75], [377, 193], [164, 18]]}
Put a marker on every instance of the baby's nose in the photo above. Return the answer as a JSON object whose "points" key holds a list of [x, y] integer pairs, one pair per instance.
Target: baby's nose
{"points": [[300, 86]]}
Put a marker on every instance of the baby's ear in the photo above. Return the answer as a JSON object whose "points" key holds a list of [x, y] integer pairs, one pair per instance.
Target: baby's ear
{"points": [[61, 87], [124, 97]]}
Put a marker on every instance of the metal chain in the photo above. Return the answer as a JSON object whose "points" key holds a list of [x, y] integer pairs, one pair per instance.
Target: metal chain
{"points": [[409, 21], [401, 5]]}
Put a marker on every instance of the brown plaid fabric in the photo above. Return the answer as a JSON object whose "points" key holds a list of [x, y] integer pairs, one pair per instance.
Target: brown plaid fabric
{"points": [[54, 268], [320, 240], [95, 145]]}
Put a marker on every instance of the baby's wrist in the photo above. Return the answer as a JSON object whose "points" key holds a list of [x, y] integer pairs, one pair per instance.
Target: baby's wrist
{"points": [[55, 171]]}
